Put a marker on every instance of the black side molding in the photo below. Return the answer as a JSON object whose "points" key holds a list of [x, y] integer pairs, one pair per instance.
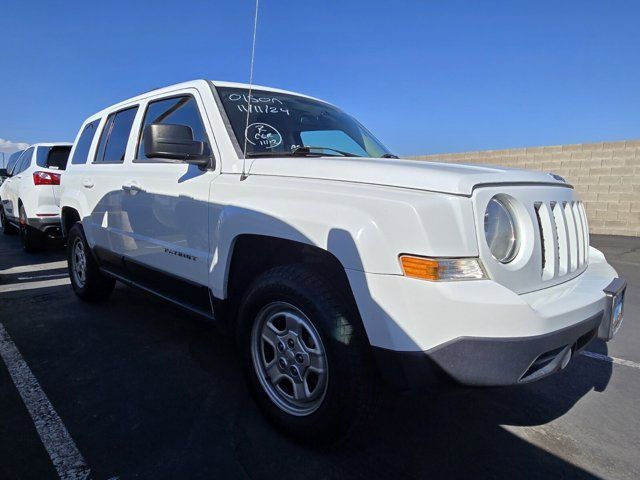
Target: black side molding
{"points": [[184, 293]]}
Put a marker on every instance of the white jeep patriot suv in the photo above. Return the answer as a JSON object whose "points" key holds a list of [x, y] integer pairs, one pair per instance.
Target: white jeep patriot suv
{"points": [[333, 261]]}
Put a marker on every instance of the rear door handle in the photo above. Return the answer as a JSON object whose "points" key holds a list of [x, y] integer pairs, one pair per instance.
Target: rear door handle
{"points": [[87, 184], [131, 187]]}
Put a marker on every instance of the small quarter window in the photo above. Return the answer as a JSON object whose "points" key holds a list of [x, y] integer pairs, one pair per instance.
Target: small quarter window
{"points": [[115, 135], [175, 110], [83, 144]]}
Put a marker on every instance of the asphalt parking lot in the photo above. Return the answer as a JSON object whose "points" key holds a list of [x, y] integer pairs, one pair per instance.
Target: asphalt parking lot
{"points": [[135, 388]]}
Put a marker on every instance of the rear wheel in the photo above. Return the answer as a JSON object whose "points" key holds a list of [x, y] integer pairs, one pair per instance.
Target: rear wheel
{"points": [[87, 281], [306, 356], [7, 228], [30, 237]]}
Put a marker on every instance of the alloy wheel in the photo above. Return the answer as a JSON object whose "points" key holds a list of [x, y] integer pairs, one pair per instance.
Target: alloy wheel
{"points": [[289, 358], [79, 263]]}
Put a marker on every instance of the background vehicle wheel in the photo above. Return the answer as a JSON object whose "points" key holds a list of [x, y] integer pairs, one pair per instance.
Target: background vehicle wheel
{"points": [[31, 239], [306, 356], [7, 228], [87, 281]]}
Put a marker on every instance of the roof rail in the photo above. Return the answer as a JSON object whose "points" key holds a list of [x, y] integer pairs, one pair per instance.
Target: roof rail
{"points": [[176, 83]]}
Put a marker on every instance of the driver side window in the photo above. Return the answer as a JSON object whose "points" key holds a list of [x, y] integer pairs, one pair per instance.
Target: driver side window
{"points": [[181, 110]]}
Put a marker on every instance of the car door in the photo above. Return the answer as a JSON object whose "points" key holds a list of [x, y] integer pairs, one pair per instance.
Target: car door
{"points": [[17, 180], [102, 179], [5, 190], [165, 202], [80, 184], [6, 185]]}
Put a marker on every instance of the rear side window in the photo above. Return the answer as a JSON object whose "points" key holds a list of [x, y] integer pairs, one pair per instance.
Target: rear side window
{"points": [[13, 159], [175, 110], [115, 135], [24, 162], [83, 144], [53, 157]]}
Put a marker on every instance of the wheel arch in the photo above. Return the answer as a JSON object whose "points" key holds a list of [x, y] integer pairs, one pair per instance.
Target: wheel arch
{"points": [[254, 254], [21, 205], [69, 216]]}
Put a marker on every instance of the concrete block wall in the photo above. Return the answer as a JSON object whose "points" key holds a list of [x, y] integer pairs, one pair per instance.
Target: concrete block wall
{"points": [[606, 176]]}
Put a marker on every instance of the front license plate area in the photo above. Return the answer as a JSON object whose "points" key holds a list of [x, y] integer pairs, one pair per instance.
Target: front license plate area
{"points": [[614, 309]]}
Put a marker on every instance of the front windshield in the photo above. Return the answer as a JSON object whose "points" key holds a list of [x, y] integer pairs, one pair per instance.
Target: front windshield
{"points": [[281, 124]]}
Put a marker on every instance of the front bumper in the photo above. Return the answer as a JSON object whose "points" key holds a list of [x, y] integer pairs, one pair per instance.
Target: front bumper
{"points": [[488, 361], [479, 332]]}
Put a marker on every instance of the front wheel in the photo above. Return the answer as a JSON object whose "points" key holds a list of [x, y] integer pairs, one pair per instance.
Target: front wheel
{"points": [[86, 279], [306, 356]]}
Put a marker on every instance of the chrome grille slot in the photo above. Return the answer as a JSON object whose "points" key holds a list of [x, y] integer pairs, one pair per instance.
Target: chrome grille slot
{"points": [[575, 208], [543, 253], [548, 241], [572, 233], [585, 232], [564, 237]]}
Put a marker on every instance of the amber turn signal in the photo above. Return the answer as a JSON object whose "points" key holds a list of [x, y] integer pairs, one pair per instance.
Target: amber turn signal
{"points": [[417, 267], [442, 269]]}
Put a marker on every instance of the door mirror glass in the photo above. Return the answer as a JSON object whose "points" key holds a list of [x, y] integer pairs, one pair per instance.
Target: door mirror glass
{"points": [[3, 172], [164, 140]]}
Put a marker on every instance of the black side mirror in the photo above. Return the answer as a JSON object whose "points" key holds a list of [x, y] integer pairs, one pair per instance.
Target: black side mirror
{"points": [[163, 140], [3, 172]]}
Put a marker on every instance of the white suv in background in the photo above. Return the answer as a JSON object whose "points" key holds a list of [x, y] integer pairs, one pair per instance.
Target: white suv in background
{"points": [[31, 194], [333, 261]]}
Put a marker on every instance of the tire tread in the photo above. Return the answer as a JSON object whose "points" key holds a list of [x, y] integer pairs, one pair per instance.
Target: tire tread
{"points": [[98, 287], [361, 403]]}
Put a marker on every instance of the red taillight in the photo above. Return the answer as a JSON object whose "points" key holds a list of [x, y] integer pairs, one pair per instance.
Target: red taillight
{"points": [[46, 178]]}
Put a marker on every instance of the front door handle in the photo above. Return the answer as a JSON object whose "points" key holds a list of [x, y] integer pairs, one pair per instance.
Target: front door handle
{"points": [[87, 184]]}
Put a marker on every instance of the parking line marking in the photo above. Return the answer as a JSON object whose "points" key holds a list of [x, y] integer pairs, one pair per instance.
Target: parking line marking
{"points": [[62, 450], [34, 268], [605, 358], [16, 287], [53, 275]]}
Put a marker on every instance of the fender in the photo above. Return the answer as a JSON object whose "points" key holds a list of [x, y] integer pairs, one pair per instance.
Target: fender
{"points": [[365, 227]]}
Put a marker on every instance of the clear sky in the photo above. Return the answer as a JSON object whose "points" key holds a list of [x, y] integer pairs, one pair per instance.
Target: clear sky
{"points": [[424, 76]]}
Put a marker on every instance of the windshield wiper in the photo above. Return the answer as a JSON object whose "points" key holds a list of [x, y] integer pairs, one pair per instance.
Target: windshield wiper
{"points": [[300, 152], [389, 155]]}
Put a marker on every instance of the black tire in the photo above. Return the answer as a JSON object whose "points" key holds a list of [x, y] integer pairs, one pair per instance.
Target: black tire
{"points": [[32, 240], [351, 386], [92, 286], [7, 228]]}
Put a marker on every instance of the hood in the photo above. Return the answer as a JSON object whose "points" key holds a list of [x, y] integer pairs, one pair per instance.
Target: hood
{"points": [[457, 179]]}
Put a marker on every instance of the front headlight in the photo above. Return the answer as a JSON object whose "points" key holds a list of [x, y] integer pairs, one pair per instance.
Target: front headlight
{"points": [[500, 230]]}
